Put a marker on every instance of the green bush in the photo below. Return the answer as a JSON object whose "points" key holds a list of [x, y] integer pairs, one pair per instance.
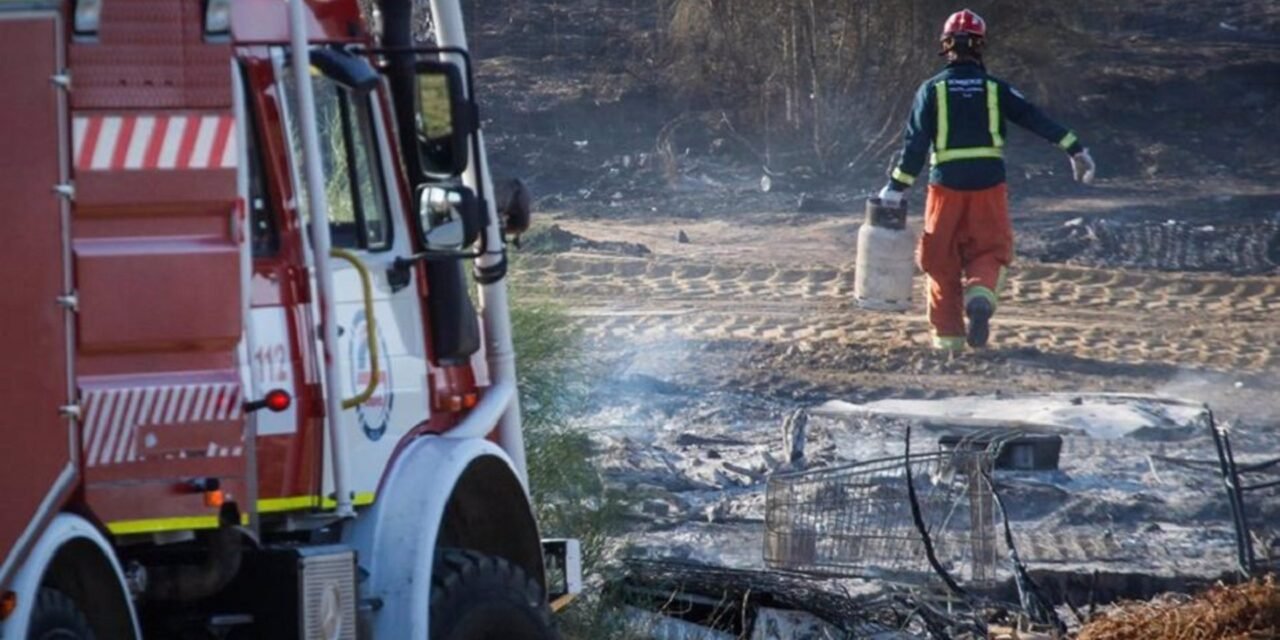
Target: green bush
{"points": [[568, 491]]}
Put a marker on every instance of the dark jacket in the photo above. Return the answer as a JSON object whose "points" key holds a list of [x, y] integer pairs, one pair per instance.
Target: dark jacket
{"points": [[968, 155]]}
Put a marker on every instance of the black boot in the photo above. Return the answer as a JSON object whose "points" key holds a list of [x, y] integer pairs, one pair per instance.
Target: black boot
{"points": [[979, 311]]}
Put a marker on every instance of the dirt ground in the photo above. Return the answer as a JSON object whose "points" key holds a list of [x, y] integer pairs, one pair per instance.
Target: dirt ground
{"points": [[779, 292], [715, 308], [710, 344]]}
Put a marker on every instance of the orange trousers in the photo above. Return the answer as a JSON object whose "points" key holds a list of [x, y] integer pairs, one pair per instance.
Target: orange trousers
{"points": [[966, 247]]}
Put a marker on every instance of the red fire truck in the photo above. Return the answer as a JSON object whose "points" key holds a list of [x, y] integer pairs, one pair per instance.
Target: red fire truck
{"points": [[261, 380]]}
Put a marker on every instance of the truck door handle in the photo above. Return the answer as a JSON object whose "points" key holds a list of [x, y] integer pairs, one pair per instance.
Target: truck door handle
{"points": [[370, 327]]}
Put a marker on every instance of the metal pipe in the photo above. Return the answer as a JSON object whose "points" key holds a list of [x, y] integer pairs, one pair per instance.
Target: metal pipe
{"points": [[245, 212], [480, 420], [187, 582], [495, 310], [321, 245]]}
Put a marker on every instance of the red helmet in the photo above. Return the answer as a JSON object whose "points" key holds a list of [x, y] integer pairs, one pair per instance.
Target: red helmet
{"points": [[965, 23]]}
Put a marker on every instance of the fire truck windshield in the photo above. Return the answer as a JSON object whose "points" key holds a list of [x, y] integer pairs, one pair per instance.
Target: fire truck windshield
{"points": [[353, 174]]}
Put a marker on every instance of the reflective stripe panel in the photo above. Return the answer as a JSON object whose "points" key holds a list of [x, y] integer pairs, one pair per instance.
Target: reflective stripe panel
{"points": [[993, 113], [301, 503], [904, 178], [941, 152], [979, 291], [359, 500], [296, 503], [944, 117], [948, 343], [160, 525], [1002, 280], [967, 154], [1068, 140], [192, 523]]}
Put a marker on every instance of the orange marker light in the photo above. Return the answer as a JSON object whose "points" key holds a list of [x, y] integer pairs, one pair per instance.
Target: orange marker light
{"points": [[8, 604], [470, 400], [214, 498]]}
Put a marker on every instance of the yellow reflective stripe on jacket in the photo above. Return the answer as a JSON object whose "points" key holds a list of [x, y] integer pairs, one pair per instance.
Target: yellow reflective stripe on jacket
{"points": [[941, 151], [967, 154], [944, 117], [903, 177], [993, 113], [1068, 140]]}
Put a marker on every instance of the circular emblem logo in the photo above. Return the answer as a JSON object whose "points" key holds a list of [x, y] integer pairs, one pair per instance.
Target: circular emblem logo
{"points": [[374, 413]]}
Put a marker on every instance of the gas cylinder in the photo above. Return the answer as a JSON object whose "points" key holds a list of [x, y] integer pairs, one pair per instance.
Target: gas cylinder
{"points": [[886, 258]]}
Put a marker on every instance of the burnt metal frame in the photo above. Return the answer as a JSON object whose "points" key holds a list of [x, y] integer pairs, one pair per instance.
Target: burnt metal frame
{"points": [[1236, 489]]}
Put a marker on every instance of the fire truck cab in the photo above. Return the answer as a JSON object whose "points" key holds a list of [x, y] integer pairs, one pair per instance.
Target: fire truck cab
{"points": [[261, 380]]}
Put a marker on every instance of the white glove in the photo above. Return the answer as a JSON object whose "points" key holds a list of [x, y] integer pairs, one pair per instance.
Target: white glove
{"points": [[890, 197], [1083, 167]]}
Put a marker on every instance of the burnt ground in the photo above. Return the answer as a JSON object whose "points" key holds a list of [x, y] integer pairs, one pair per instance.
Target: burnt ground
{"points": [[1161, 278]]}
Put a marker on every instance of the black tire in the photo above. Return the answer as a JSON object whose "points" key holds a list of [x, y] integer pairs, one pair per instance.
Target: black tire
{"points": [[58, 617], [480, 597]]}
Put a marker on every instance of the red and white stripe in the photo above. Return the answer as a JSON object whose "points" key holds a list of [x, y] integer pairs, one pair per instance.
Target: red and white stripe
{"points": [[112, 416], [162, 141]]}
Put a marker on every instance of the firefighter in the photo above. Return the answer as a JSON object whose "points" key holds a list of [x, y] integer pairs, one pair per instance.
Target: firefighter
{"points": [[967, 243]]}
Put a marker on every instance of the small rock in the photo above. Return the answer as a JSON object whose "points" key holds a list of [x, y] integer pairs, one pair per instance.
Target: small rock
{"points": [[682, 237], [751, 474], [1239, 384], [771, 463], [656, 508], [716, 512], [1077, 401], [1153, 528], [712, 454], [1074, 222], [766, 184], [810, 204]]}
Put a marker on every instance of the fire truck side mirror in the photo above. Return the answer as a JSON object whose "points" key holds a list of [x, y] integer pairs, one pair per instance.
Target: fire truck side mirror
{"points": [[445, 118], [450, 217]]}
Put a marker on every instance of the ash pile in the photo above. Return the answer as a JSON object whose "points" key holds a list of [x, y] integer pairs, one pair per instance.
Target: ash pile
{"points": [[967, 516]]}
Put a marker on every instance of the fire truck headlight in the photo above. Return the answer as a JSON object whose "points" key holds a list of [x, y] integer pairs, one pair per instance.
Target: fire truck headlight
{"points": [[87, 17], [217, 17]]}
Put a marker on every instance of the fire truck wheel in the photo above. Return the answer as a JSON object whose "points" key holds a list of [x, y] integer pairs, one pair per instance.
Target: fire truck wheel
{"points": [[480, 597], [57, 617]]}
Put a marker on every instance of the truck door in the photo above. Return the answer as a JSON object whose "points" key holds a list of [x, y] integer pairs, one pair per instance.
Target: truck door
{"points": [[37, 470], [157, 263], [367, 221]]}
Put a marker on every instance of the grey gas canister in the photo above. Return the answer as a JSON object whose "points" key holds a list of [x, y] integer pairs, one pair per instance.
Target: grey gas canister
{"points": [[886, 259]]}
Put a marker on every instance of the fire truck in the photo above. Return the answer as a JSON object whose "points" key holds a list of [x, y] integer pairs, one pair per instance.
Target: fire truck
{"points": [[260, 380]]}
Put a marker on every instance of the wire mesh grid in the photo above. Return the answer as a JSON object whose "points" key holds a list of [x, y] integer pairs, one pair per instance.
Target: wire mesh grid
{"points": [[856, 520]]}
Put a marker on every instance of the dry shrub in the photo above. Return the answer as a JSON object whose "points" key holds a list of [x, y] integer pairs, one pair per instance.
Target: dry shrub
{"points": [[827, 83], [1243, 612]]}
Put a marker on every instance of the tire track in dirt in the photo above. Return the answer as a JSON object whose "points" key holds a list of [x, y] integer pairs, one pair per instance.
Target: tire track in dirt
{"points": [[1224, 350], [1209, 322], [1032, 286]]}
